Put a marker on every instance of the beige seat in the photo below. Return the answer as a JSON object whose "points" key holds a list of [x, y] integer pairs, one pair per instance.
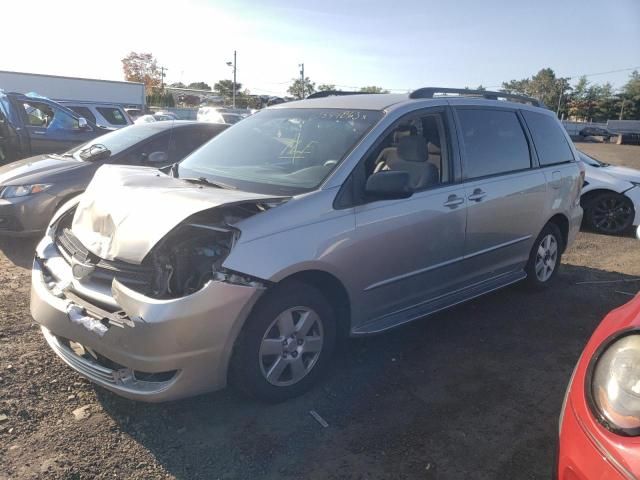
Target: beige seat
{"points": [[412, 158]]}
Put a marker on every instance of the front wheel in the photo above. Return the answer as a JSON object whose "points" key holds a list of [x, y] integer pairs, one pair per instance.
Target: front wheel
{"points": [[609, 213], [544, 259], [286, 344]]}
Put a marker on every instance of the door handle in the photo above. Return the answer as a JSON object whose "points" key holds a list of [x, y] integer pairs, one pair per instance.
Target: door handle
{"points": [[36, 132], [477, 195], [453, 201]]}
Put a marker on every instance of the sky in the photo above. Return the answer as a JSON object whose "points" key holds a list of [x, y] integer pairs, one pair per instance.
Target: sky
{"points": [[398, 45]]}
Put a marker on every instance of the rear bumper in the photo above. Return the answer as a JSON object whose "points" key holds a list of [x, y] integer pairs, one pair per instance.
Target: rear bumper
{"points": [[575, 220], [25, 216], [152, 350]]}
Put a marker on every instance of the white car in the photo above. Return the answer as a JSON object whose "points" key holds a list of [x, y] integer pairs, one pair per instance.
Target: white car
{"points": [[610, 196]]}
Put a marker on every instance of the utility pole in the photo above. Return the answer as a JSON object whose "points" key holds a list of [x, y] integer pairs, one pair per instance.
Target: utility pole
{"points": [[302, 77], [233, 65], [162, 69], [621, 109]]}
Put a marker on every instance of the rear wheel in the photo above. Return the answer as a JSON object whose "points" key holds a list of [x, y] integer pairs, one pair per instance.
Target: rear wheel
{"points": [[286, 343], [544, 259], [609, 213]]}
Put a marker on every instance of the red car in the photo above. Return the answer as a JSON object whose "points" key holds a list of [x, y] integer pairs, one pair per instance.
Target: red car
{"points": [[600, 417]]}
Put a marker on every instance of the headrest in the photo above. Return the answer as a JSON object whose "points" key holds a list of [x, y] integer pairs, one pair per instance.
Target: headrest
{"points": [[413, 149]]}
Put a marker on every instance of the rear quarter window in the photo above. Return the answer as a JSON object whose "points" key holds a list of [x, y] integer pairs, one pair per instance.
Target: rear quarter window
{"points": [[548, 138]]}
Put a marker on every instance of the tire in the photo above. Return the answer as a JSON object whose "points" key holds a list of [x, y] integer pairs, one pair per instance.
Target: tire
{"points": [[609, 213], [544, 259], [273, 359]]}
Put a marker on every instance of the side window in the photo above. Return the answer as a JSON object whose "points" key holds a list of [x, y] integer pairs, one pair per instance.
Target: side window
{"points": [[138, 155], [186, 140], [45, 116], [494, 142], [416, 145], [549, 139], [112, 115], [85, 112]]}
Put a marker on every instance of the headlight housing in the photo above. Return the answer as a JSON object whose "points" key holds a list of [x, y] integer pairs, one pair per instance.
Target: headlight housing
{"points": [[615, 384], [13, 191]]}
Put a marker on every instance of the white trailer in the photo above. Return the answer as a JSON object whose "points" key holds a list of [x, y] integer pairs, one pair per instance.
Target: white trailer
{"points": [[75, 89]]}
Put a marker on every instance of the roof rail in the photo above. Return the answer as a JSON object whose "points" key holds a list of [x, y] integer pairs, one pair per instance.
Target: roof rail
{"points": [[332, 93], [430, 92]]}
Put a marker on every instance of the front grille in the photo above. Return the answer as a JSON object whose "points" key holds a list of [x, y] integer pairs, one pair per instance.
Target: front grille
{"points": [[105, 270]]}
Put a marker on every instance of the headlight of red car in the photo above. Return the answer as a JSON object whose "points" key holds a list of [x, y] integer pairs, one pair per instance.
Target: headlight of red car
{"points": [[615, 385]]}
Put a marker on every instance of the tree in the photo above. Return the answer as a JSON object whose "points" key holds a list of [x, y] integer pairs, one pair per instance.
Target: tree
{"points": [[630, 98], [544, 86], [326, 87], [142, 67], [373, 89], [178, 85], [225, 87], [199, 86], [296, 88]]}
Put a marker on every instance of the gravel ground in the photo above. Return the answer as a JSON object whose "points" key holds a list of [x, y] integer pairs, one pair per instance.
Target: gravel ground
{"points": [[474, 392]]}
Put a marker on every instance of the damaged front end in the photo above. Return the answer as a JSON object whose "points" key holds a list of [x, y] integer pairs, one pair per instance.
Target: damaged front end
{"points": [[159, 329], [193, 253]]}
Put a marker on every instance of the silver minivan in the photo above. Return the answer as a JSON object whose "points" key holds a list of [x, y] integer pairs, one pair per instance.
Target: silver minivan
{"points": [[308, 221]]}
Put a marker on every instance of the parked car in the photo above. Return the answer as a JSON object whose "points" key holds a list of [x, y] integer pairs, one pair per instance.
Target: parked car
{"points": [[105, 115], [32, 125], [147, 118], [597, 132], [339, 216], [610, 196], [133, 113], [32, 189], [600, 416], [221, 114]]}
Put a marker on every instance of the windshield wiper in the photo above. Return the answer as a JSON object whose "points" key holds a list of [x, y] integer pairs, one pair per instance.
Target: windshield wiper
{"points": [[209, 183]]}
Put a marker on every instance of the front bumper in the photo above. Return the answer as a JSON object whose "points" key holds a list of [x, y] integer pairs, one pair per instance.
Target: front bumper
{"points": [[581, 456], [23, 216], [151, 349], [634, 196]]}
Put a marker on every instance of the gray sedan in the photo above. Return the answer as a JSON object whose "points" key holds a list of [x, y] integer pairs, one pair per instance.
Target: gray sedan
{"points": [[32, 189]]}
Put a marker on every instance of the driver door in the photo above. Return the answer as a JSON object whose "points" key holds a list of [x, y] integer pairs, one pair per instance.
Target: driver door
{"points": [[51, 129]]}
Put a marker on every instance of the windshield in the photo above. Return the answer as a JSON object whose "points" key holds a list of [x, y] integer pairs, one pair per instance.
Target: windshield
{"points": [[591, 161], [281, 151], [116, 141]]}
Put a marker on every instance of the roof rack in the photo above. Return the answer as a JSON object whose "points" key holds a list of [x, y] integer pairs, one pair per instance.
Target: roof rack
{"points": [[332, 93], [430, 92]]}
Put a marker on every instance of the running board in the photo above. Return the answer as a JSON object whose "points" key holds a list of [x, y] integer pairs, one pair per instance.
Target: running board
{"points": [[441, 303]]}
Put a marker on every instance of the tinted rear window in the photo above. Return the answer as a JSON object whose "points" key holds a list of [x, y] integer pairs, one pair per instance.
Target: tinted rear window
{"points": [[548, 138], [85, 112], [494, 142], [112, 115]]}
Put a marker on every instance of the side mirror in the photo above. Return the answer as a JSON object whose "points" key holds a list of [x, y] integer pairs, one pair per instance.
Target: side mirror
{"points": [[388, 185], [82, 124], [158, 157]]}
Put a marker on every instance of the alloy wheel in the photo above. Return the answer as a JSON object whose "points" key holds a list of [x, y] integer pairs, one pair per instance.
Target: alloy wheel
{"points": [[546, 257], [291, 346], [611, 214]]}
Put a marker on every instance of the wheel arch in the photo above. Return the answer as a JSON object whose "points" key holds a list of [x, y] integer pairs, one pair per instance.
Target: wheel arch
{"points": [[562, 222], [591, 194], [334, 291]]}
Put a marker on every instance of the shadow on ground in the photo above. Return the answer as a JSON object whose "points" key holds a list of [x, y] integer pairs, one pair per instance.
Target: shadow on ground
{"points": [[474, 392], [19, 250]]}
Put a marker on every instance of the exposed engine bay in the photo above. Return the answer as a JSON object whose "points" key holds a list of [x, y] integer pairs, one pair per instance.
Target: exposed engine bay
{"points": [[182, 263], [192, 254]]}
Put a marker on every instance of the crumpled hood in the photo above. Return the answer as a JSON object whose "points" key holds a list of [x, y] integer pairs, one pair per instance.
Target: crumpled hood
{"points": [[35, 169], [126, 210]]}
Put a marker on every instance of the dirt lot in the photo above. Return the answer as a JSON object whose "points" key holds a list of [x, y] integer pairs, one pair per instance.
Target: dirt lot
{"points": [[471, 393]]}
